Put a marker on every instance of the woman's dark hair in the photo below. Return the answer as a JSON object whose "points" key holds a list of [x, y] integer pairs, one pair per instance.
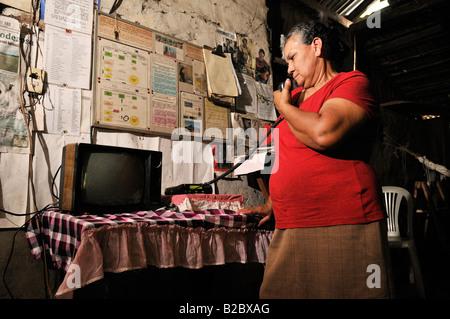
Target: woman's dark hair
{"points": [[329, 31]]}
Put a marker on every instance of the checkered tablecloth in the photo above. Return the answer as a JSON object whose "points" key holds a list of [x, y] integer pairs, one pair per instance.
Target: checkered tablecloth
{"points": [[61, 233]]}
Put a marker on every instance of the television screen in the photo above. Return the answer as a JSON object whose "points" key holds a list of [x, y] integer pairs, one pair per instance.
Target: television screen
{"points": [[105, 179], [112, 178]]}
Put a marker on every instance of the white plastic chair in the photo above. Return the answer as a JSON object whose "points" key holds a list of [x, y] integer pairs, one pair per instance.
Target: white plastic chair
{"points": [[393, 197]]}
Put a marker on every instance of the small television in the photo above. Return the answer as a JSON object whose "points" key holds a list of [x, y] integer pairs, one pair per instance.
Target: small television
{"points": [[100, 179]]}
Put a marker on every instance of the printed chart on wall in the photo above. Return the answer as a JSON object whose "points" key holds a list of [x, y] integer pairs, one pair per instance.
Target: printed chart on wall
{"points": [[146, 81], [164, 110], [191, 117], [123, 81]]}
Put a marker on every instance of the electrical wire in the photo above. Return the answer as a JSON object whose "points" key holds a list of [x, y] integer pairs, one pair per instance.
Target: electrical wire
{"points": [[21, 228], [16, 214], [25, 55], [53, 182], [115, 6]]}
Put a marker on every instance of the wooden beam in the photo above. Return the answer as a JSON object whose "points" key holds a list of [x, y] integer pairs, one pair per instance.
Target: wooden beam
{"points": [[398, 43], [421, 67], [426, 53], [440, 74]]}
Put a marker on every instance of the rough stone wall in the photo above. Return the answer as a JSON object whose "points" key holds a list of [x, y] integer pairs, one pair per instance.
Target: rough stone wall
{"points": [[196, 21]]}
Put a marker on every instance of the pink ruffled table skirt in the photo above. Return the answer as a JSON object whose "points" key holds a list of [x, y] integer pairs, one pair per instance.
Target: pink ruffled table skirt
{"points": [[87, 246]]}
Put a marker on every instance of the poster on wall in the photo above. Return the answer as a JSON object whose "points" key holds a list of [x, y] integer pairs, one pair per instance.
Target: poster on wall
{"points": [[266, 107], [199, 70], [262, 67], [164, 113], [228, 41], [164, 75], [220, 77], [120, 106], [247, 102], [244, 60], [191, 113], [194, 52], [24, 5], [65, 117], [185, 76], [122, 86], [67, 57], [13, 133], [217, 119], [74, 15], [169, 47], [123, 64], [124, 32]]}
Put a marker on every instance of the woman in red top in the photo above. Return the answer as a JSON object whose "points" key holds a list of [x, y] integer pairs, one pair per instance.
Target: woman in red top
{"points": [[330, 237]]}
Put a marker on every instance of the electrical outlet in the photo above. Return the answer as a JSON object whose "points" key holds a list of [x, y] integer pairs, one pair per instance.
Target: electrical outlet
{"points": [[35, 80]]}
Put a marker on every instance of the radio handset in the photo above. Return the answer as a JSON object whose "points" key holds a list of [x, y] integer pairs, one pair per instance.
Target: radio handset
{"points": [[281, 85]]}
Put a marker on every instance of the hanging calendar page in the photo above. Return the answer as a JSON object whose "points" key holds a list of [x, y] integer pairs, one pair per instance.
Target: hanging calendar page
{"points": [[122, 86]]}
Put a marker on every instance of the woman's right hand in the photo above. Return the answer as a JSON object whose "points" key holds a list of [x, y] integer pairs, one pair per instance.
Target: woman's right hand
{"points": [[264, 210]]}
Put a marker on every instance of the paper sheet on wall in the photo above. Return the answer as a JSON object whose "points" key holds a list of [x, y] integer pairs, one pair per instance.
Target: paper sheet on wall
{"points": [[199, 70], [86, 105], [13, 133], [164, 75], [266, 107], [24, 5], [194, 52], [127, 33], [219, 74], [191, 113], [167, 178], [254, 163], [14, 170], [122, 87], [216, 121], [170, 47], [127, 140], [164, 113], [192, 162], [247, 101], [122, 64], [67, 57], [47, 159], [74, 15], [186, 76], [64, 117], [121, 106]]}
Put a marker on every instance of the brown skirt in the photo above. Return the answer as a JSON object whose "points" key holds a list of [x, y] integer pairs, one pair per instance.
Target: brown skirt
{"points": [[335, 262]]}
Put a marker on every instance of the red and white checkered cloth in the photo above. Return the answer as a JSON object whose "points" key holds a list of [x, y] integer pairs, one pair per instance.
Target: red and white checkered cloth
{"points": [[61, 233]]}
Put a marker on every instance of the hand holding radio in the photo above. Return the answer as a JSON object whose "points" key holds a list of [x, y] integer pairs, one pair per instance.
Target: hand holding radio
{"points": [[283, 84], [283, 94]]}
